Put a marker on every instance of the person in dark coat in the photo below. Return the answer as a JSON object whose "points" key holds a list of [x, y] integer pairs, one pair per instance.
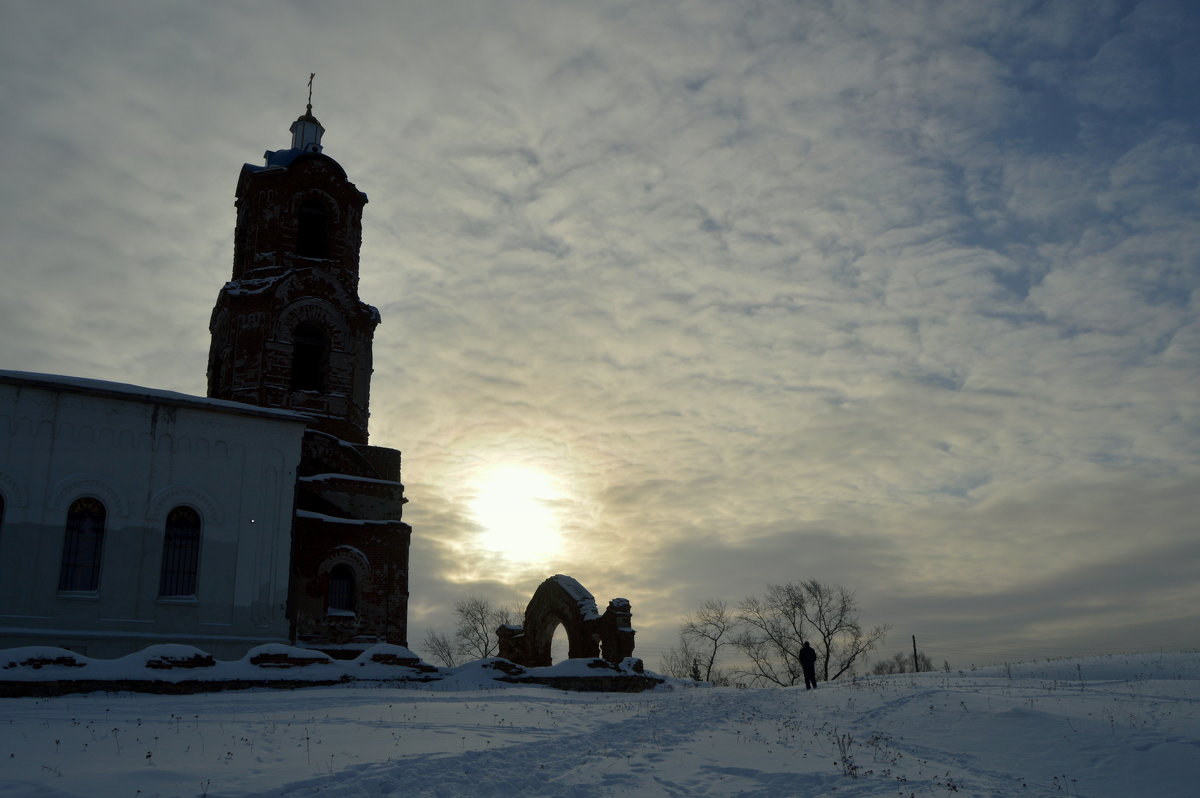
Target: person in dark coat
{"points": [[808, 661]]}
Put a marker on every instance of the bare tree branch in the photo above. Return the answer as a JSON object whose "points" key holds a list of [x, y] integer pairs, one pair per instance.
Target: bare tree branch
{"points": [[678, 660], [440, 648], [709, 630], [476, 630]]}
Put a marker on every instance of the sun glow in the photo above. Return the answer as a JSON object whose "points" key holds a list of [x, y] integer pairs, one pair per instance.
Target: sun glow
{"points": [[517, 508]]}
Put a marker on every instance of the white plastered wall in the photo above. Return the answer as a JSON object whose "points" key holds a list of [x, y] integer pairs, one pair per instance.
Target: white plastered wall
{"points": [[142, 453]]}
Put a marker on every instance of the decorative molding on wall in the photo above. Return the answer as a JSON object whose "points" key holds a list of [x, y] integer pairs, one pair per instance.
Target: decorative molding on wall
{"points": [[14, 494], [164, 499], [60, 496]]}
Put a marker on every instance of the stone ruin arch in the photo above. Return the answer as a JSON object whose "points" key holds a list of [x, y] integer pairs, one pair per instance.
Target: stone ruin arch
{"points": [[590, 634]]}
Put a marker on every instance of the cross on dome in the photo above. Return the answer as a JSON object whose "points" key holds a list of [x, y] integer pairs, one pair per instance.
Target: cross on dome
{"points": [[306, 130]]}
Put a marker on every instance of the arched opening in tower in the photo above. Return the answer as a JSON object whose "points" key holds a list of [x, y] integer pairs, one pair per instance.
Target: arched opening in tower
{"points": [[310, 357], [312, 230]]}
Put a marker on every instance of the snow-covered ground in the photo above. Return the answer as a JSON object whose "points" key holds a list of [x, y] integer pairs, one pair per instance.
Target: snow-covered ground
{"points": [[1126, 725]]}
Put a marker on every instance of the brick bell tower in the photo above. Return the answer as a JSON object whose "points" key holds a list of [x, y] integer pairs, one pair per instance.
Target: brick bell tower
{"points": [[289, 331]]}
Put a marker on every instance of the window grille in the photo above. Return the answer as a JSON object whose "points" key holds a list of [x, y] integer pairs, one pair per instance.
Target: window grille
{"points": [[181, 553], [341, 589], [82, 546]]}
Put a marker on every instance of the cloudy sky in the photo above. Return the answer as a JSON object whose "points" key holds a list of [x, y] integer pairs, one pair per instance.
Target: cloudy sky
{"points": [[684, 298]]}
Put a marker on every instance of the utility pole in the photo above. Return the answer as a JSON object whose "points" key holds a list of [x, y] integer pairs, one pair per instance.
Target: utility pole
{"points": [[916, 661]]}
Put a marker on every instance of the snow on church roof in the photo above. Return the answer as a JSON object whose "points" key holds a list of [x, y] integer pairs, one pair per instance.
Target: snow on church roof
{"points": [[280, 160], [275, 159], [84, 385]]}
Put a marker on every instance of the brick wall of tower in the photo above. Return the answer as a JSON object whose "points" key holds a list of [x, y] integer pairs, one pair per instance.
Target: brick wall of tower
{"points": [[349, 503], [276, 287], [290, 331]]}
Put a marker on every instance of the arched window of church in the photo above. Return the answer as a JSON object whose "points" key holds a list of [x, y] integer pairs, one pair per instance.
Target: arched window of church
{"points": [[312, 229], [310, 357], [341, 590], [82, 546], [181, 553]]}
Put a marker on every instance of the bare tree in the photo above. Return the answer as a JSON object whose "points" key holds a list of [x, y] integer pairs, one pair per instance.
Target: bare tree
{"points": [[702, 635], [708, 630], [832, 611], [776, 626], [902, 663], [475, 633], [680, 660], [441, 648], [772, 635]]}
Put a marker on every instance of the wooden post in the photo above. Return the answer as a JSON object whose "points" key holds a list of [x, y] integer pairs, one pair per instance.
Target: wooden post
{"points": [[916, 661]]}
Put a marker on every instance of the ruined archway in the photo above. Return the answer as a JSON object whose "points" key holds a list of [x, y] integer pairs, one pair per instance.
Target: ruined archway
{"points": [[562, 600]]}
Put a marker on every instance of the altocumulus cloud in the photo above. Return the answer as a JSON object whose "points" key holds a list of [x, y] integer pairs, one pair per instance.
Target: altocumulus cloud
{"points": [[905, 299]]}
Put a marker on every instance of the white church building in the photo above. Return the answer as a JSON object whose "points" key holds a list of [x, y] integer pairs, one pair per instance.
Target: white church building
{"points": [[121, 506], [257, 514]]}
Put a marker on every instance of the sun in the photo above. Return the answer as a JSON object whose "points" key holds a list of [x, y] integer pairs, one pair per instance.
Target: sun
{"points": [[517, 509]]}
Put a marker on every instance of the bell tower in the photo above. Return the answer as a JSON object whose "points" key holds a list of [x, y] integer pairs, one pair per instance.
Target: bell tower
{"points": [[289, 331]]}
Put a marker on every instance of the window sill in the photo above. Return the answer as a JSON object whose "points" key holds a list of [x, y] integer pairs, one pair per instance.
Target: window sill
{"points": [[177, 600], [79, 595]]}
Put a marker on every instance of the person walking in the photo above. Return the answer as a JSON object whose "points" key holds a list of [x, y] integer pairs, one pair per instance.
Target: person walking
{"points": [[808, 661]]}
